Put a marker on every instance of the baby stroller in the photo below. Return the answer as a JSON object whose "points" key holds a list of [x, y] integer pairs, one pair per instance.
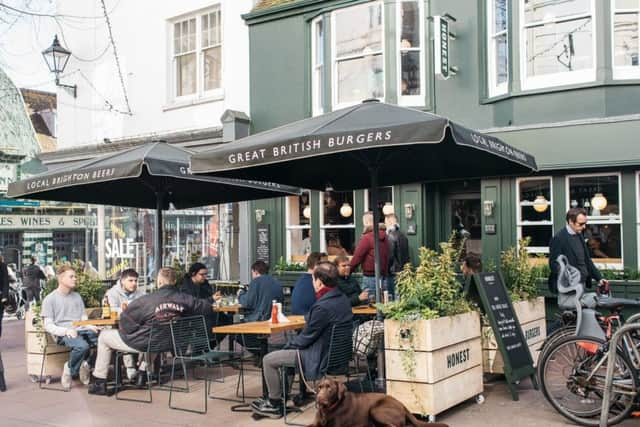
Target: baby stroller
{"points": [[16, 300]]}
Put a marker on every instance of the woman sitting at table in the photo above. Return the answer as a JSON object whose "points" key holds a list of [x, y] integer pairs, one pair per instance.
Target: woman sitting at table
{"points": [[312, 344]]}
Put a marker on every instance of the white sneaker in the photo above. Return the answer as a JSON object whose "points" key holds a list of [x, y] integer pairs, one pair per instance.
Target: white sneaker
{"points": [[132, 373], [85, 373], [66, 380]]}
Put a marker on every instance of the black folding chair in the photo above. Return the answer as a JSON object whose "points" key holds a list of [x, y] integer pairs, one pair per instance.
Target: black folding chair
{"points": [[340, 354], [159, 342], [191, 345]]}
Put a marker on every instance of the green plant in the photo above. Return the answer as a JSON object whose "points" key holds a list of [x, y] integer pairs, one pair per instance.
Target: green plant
{"points": [[431, 290], [519, 275], [283, 265]]}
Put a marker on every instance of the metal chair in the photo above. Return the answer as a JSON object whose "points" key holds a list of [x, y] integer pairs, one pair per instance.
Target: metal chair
{"points": [[159, 342], [42, 378], [339, 356], [191, 345]]}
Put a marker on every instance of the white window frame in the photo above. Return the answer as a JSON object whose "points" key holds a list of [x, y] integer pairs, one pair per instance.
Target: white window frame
{"points": [[334, 62], [366, 200], [564, 77], [200, 93], [602, 219], [495, 89], [317, 107], [411, 100], [520, 223], [324, 227], [289, 227], [625, 71]]}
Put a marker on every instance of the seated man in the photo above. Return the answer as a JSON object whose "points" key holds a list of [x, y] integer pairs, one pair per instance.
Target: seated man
{"points": [[125, 290], [331, 308], [303, 295], [263, 289], [60, 309], [196, 284], [348, 284], [135, 325]]}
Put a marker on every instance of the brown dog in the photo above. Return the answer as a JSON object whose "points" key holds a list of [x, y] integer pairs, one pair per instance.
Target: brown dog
{"points": [[338, 407]]}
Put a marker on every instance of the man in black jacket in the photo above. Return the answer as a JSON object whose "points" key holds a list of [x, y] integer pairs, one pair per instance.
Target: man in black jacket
{"points": [[398, 250], [135, 324], [570, 242], [312, 344], [348, 284]]}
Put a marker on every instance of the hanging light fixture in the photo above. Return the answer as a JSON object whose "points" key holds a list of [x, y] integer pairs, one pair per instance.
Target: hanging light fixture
{"points": [[346, 210], [306, 212], [599, 202], [387, 209], [540, 204]]}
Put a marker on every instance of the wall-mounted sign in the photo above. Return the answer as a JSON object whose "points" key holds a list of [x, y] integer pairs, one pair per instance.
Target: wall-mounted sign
{"points": [[119, 248], [262, 242], [441, 47], [45, 222]]}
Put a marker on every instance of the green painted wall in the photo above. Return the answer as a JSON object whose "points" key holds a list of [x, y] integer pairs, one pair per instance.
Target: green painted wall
{"points": [[570, 129]]}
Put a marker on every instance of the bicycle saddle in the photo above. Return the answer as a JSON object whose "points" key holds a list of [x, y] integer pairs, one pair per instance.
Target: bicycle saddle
{"points": [[611, 303]]}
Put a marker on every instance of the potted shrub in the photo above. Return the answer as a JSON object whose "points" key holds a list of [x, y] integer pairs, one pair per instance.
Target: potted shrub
{"points": [[521, 278], [288, 272], [432, 336], [91, 291]]}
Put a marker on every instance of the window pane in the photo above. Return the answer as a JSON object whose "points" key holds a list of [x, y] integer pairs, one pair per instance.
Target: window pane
{"points": [[555, 48], [410, 15], [205, 30], [176, 38], [540, 234], [339, 241], [319, 40], [604, 242], [501, 59], [529, 192], [627, 4], [212, 68], [410, 73], [333, 213], [296, 209], [626, 39], [538, 10], [186, 74], [360, 78], [500, 16], [192, 34], [359, 30], [583, 189], [385, 195]]}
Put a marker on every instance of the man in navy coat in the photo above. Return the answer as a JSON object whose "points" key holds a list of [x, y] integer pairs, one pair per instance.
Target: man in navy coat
{"points": [[311, 346]]}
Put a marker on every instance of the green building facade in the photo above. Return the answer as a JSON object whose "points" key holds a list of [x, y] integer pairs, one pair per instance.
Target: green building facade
{"points": [[558, 79]]}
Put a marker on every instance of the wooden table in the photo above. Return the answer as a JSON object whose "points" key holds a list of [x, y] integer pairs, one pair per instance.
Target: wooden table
{"points": [[261, 328], [96, 322], [364, 310], [227, 308]]}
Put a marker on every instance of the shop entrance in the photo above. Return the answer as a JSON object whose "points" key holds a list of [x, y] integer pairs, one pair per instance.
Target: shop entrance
{"points": [[465, 220]]}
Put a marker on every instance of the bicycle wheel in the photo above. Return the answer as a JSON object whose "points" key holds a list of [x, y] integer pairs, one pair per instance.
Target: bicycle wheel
{"points": [[572, 380]]}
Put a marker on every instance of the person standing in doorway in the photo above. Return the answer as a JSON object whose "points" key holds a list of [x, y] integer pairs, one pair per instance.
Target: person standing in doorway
{"points": [[32, 275], [398, 250], [570, 242], [364, 254]]}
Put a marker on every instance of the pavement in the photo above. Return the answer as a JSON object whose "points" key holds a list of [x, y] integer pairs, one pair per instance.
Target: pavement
{"points": [[24, 404]]}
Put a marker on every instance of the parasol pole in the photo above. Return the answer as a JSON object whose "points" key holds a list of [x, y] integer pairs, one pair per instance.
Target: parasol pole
{"points": [[157, 241], [376, 253]]}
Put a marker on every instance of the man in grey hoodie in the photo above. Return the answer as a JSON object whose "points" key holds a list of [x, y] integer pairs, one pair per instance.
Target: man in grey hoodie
{"points": [[125, 290]]}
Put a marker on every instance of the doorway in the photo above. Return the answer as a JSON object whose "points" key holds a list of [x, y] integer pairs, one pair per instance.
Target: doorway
{"points": [[465, 216]]}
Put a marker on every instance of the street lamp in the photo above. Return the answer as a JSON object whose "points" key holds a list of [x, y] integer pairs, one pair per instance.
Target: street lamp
{"points": [[56, 58]]}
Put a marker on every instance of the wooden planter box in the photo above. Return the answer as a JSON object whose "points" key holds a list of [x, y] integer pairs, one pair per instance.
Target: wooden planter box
{"points": [[531, 315], [448, 360], [34, 342]]}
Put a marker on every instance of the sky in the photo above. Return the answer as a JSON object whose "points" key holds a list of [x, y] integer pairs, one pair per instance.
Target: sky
{"points": [[23, 37]]}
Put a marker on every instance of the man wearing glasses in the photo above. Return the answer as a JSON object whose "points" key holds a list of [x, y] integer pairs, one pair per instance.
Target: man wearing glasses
{"points": [[570, 242]]}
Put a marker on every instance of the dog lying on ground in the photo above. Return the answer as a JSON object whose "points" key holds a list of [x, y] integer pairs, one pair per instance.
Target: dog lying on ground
{"points": [[338, 407]]}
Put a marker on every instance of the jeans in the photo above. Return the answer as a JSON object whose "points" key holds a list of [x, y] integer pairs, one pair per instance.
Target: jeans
{"points": [[391, 285], [369, 282], [79, 346], [270, 365], [32, 294]]}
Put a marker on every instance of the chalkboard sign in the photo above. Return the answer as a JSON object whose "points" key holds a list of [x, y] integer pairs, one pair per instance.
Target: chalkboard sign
{"points": [[512, 344], [262, 243]]}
